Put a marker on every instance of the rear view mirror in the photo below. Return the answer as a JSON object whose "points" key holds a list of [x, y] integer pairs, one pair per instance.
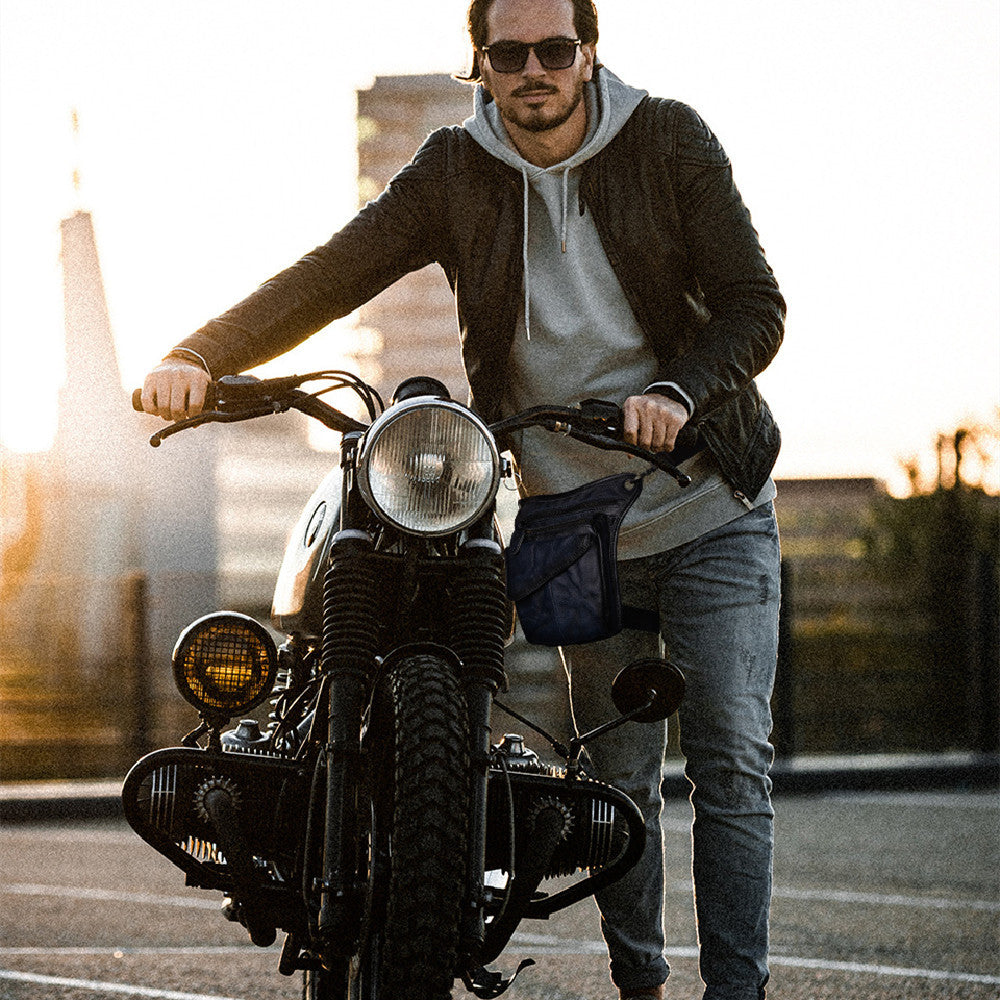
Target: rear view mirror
{"points": [[651, 682]]}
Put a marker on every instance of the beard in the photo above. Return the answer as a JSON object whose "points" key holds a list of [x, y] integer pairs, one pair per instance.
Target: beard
{"points": [[542, 119]]}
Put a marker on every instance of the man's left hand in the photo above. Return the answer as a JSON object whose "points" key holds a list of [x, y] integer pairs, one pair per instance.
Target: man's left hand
{"points": [[653, 421]]}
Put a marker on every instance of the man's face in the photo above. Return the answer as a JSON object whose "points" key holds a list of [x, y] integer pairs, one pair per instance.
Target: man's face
{"points": [[535, 99]]}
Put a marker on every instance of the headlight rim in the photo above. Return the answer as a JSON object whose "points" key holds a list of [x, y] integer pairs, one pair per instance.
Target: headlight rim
{"points": [[400, 411]]}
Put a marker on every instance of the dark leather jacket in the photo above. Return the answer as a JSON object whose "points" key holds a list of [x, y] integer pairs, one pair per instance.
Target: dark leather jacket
{"points": [[673, 226]]}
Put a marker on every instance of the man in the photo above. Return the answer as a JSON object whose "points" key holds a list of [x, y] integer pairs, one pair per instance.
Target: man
{"points": [[597, 247]]}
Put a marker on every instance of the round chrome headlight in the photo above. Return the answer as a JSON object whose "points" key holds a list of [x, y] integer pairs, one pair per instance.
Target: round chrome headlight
{"points": [[429, 466], [225, 663]]}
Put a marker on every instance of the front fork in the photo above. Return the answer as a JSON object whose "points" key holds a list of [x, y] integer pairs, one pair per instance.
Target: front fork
{"points": [[350, 603], [481, 626], [479, 699]]}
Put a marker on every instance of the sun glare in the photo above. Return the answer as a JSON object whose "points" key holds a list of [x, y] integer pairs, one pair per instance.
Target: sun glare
{"points": [[892, 313]]}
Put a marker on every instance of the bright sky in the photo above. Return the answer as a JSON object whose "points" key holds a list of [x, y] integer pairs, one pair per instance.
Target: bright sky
{"points": [[217, 144]]}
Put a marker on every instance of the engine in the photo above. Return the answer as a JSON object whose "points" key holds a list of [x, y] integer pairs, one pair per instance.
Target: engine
{"points": [[165, 799], [595, 829]]}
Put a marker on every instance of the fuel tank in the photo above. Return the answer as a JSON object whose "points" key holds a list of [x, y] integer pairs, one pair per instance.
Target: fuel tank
{"points": [[297, 607]]}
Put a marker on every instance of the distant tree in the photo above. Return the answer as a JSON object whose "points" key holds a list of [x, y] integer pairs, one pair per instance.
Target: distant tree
{"points": [[942, 545]]}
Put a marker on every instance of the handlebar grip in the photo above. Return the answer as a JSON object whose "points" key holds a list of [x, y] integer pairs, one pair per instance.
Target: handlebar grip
{"points": [[211, 397]]}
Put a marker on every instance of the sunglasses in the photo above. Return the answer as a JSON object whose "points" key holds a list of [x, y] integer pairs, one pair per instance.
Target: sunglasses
{"points": [[553, 53]]}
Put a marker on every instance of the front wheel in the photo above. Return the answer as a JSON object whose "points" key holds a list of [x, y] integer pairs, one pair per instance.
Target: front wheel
{"points": [[417, 793]]}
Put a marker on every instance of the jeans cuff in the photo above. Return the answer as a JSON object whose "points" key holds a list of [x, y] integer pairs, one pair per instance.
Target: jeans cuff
{"points": [[631, 978]]}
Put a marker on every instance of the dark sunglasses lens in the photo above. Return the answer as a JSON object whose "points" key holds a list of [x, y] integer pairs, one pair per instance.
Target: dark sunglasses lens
{"points": [[508, 57], [557, 54]]}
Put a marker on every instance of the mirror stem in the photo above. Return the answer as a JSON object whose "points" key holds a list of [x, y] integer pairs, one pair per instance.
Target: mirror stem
{"points": [[576, 744]]}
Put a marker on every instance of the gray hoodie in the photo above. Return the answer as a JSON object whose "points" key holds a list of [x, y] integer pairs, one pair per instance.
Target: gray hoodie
{"points": [[577, 336]]}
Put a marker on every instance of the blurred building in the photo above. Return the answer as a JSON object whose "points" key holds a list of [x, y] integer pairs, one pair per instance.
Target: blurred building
{"points": [[412, 325], [92, 598], [266, 469]]}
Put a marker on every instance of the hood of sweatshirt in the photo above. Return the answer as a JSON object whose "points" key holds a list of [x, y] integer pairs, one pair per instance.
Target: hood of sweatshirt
{"points": [[609, 103]]}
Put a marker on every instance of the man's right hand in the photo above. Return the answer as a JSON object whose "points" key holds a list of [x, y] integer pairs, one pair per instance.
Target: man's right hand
{"points": [[175, 389]]}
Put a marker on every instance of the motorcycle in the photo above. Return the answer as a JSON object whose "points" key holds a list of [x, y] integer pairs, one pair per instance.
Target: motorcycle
{"points": [[372, 820]]}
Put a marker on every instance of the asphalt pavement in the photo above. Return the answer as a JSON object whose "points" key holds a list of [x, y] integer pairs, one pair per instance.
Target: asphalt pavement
{"points": [[880, 895]]}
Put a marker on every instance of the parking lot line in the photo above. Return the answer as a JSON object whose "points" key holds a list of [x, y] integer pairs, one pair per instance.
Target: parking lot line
{"points": [[545, 944], [99, 987], [779, 892], [112, 951], [827, 965], [869, 898], [552, 945], [923, 800], [108, 895], [879, 899]]}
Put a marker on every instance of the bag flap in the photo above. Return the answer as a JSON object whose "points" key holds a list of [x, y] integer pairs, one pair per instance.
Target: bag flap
{"points": [[532, 561], [612, 496]]}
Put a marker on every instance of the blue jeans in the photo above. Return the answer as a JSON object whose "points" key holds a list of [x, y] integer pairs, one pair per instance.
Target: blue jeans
{"points": [[718, 603]]}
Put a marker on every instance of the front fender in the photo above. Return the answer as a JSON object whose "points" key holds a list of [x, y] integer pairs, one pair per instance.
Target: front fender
{"points": [[410, 649]]}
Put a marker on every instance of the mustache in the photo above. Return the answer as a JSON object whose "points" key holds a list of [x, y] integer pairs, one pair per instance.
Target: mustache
{"points": [[535, 88]]}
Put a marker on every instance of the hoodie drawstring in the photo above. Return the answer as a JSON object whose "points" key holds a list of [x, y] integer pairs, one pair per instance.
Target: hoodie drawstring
{"points": [[565, 207], [563, 239], [609, 104], [524, 254]]}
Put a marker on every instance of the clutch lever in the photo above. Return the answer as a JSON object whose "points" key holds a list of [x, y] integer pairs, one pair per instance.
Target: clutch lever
{"points": [[211, 417]]}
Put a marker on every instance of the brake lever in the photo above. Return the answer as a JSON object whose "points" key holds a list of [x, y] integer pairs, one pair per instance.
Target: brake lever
{"points": [[605, 418], [660, 461]]}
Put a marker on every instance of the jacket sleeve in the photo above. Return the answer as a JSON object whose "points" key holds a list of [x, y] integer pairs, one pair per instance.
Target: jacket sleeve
{"points": [[397, 233], [743, 318]]}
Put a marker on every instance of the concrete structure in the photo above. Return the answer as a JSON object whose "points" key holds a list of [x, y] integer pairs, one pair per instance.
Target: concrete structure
{"points": [[415, 331], [106, 532], [267, 470]]}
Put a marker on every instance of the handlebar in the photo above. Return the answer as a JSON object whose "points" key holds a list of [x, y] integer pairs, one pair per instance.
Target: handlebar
{"points": [[211, 395], [600, 424], [595, 422], [244, 397]]}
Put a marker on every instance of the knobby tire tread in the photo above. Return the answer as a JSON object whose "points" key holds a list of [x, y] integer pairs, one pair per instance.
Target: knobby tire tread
{"points": [[418, 955], [430, 831]]}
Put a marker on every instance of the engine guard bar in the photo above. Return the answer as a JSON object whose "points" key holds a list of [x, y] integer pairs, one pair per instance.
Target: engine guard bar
{"points": [[542, 909]]}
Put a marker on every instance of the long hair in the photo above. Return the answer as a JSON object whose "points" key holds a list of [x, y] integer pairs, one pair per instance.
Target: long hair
{"points": [[584, 24]]}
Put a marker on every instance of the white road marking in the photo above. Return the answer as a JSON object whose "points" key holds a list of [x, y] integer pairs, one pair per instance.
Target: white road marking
{"points": [[879, 899], [868, 898], [672, 825], [108, 895], [779, 892], [545, 944], [222, 949], [551, 945], [881, 970], [124, 989], [929, 800]]}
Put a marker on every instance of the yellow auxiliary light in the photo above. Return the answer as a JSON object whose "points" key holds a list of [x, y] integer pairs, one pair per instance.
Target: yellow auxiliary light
{"points": [[224, 664]]}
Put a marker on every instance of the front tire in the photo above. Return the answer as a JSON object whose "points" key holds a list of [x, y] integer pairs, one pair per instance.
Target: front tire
{"points": [[429, 845], [418, 791]]}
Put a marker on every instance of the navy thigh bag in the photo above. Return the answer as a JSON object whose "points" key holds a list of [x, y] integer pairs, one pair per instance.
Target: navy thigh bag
{"points": [[562, 564]]}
